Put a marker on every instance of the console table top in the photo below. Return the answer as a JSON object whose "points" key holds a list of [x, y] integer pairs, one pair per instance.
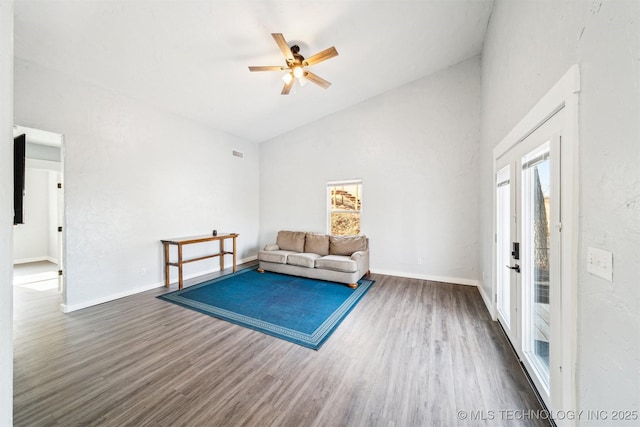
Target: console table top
{"points": [[201, 238]]}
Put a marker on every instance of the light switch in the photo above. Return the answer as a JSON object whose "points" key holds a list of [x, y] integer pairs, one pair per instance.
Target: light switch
{"points": [[600, 263]]}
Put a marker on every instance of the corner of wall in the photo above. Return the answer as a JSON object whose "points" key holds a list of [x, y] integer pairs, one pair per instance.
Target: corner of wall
{"points": [[6, 212]]}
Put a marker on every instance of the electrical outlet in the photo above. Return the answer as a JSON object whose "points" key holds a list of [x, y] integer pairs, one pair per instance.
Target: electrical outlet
{"points": [[600, 263], [143, 271], [419, 261]]}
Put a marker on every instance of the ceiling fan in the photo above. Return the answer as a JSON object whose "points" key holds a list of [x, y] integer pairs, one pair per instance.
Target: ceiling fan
{"points": [[296, 64]]}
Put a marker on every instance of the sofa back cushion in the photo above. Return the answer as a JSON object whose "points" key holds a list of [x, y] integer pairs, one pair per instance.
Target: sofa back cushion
{"points": [[291, 240], [346, 245], [316, 244]]}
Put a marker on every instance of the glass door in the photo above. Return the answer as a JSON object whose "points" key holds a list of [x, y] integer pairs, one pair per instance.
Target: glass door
{"points": [[527, 251], [536, 258]]}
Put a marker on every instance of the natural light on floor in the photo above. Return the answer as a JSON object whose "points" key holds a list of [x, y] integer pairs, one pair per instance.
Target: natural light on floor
{"points": [[42, 281], [45, 285]]}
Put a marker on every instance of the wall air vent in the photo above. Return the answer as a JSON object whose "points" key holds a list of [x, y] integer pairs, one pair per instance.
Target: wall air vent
{"points": [[238, 154]]}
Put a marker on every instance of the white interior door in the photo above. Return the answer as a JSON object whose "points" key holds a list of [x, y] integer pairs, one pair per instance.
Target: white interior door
{"points": [[528, 286]]}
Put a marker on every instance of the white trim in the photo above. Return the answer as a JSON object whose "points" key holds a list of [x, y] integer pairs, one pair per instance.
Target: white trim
{"points": [[74, 307], [444, 279], [564, 94], [557, 97], [38, 136], [344, 182], [66, 308], [487, 301]]}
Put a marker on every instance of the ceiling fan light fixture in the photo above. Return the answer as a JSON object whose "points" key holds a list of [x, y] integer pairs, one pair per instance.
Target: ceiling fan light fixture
{"points": [[297, 71], [287, 78], [295, 65]]}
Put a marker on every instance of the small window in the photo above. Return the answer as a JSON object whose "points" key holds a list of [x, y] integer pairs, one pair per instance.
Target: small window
{"points": [[344, 207]]}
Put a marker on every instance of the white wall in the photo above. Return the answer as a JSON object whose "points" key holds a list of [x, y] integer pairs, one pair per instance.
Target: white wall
{"points": [[529, 46], [6, 213], [135, 175], [416, 150], [31, 239]]}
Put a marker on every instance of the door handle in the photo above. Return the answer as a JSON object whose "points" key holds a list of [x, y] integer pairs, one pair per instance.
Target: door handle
{"points": [[516, 268]]}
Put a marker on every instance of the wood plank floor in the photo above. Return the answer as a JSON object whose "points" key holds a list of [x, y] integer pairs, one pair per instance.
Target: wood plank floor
{"points": [[411, 353]]}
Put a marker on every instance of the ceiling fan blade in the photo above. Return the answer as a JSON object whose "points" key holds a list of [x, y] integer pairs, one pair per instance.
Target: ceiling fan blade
{"points": [[287, 87], [321, 56], [268, 68], [316, 79], [284, 47]]}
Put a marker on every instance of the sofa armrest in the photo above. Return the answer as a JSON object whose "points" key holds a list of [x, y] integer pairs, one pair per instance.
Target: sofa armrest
{"points": [[272, 247], [362, 260]]}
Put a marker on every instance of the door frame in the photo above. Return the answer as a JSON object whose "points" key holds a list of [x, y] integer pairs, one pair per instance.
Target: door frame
{"points": [[563, 95]]}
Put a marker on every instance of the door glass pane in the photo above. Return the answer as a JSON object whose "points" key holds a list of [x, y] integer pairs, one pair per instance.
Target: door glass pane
{"points": [[537, 178], [503, 241]]}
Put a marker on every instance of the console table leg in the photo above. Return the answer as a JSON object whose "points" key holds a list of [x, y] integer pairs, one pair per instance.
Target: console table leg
{"points": [[166, 265], [221, 255], [179, 266], [234, 254]]}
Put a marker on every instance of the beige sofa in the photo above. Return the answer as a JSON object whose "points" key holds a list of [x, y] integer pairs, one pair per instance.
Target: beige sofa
{"points": [[342, 259]]}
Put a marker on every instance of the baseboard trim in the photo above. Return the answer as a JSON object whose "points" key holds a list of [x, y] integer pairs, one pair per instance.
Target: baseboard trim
{"points": [[444, 279], [68, 308], [487, 301]]}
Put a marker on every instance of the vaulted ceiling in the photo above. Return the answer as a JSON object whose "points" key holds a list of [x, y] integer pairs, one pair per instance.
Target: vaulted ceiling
{"points": [[191, 57]]}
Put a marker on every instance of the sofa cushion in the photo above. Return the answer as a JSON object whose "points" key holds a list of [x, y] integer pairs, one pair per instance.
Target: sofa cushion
{"points": [[316, 244], [337, 263], [291, 241], [279, 257], [303, 260], [346, 245]]}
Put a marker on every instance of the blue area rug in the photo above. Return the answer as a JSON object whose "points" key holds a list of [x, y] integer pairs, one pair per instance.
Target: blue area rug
{"points": [[296, 309]]}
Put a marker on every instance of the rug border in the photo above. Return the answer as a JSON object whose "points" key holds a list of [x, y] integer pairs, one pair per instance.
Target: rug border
{"points": [[313, 340]]}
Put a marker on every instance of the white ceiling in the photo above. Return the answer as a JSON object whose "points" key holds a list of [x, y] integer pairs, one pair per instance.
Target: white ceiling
{"points": [[191, 57]]}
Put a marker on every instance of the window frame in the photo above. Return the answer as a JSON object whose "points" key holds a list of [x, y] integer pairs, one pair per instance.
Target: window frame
{"points": [[330, 211]]}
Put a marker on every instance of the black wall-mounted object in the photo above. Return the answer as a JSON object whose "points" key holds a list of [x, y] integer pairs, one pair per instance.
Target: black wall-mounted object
{"points": [[19, 154]]}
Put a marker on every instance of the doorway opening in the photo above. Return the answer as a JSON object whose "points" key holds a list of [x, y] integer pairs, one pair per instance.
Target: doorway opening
{"points": [[38, 242]]}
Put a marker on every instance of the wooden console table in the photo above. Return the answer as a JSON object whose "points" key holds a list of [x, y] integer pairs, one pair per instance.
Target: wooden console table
{"points": [[182, 241]]}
